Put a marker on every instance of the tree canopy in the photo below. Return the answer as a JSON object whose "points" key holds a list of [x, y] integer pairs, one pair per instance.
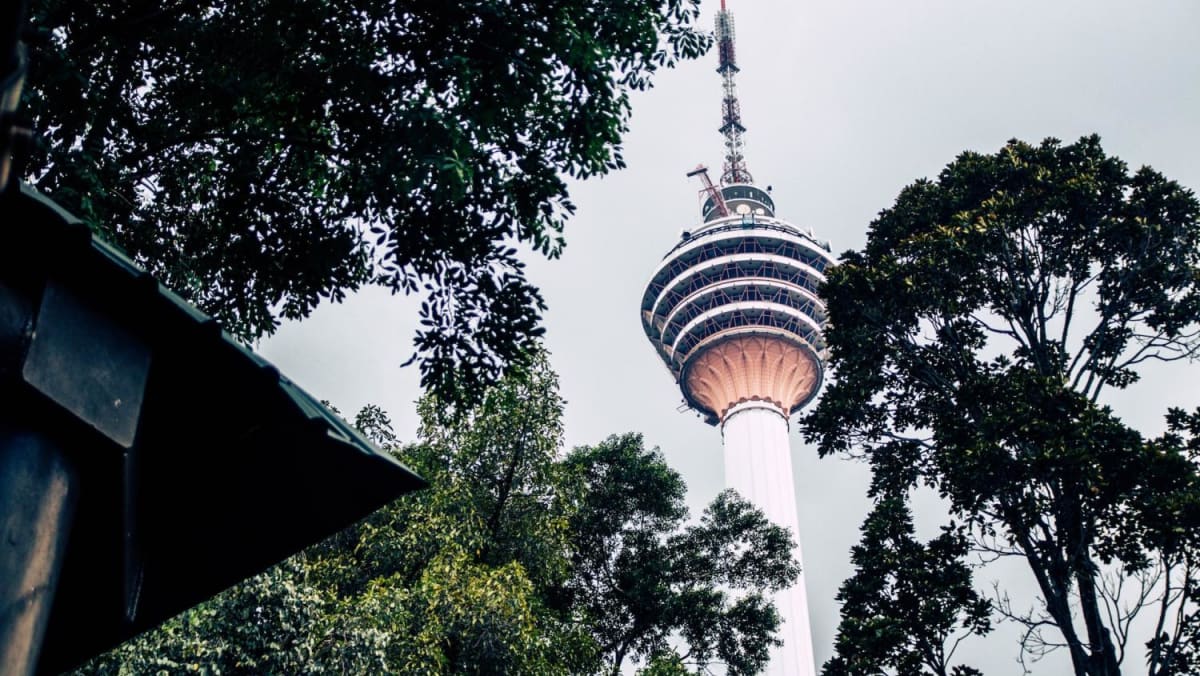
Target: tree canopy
{"points": [[519, 559], [971, 342], [641, 578], [259, 156], [908, 603]]}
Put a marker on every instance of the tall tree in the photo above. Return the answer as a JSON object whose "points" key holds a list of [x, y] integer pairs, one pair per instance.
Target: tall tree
{"points": [[259, 156], [641, 578], [496, 568], [971, 341], [455, 579], [909, 604]]}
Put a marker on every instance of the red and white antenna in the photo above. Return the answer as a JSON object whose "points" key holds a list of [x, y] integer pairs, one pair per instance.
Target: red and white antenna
{"points": [[711, 190], [731, 120]]}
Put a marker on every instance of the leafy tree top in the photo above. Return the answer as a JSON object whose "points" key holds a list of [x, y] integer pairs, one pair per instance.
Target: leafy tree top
{"points": [[260, 156], [971, 341], [1049, 265]]}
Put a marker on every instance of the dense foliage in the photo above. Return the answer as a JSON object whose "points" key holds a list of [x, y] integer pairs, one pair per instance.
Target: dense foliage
{"points": [[908, 603], [640, 577], [259, 156], [517, 560], [971, 342]]}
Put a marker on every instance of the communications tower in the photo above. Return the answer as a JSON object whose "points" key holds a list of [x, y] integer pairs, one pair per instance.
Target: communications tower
{"points": [[733, 312]]}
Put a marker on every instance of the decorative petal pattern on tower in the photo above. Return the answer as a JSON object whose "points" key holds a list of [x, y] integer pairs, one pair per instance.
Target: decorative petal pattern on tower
{"points": [[752, 368]]}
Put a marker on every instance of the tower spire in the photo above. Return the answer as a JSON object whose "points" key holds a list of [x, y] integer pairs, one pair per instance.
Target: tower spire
{"points": [[731, 120]]}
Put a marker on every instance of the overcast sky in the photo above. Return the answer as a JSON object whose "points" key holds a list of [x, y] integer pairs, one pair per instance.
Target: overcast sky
{"points": [[845, 102]]}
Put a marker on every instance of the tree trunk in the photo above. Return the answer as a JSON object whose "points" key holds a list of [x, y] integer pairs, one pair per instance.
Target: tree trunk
{"points": [[1103, 660], [1055, 583]]}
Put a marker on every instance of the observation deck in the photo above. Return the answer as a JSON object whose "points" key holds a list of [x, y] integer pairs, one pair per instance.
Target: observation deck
{"points": [[733, 308]]}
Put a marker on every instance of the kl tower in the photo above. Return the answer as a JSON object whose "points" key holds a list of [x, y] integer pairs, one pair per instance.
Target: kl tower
{"points": [[733, 312]]}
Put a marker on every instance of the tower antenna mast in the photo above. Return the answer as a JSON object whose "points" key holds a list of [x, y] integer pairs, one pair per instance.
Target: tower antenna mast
{"points": [[731, 119]]}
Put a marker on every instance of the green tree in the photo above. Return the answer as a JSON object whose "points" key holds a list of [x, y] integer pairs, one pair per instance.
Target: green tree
{"points": [[492, 570], [259, 156], [642, 580], [449, 580], [908, 603], [455, 579], [971, 341]]}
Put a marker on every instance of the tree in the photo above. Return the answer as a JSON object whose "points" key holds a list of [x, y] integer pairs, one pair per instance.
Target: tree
{"points": [[259, 156], [492, 570], [640, 578], [909, 604], [971, 342], [455, 579], [448, 580]]}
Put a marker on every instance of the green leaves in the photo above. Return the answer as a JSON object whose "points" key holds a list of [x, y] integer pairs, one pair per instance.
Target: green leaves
{"points": [[516, 560], [908, 601], [641, 577], [260, 157], [970, 342]]}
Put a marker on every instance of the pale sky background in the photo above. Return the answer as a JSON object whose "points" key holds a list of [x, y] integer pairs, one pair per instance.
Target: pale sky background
{"points": [[845, 102]]}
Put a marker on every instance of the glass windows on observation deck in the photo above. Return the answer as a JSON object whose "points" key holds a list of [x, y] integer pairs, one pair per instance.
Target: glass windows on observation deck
{"points": [[732, 268], [779, 318], [741, 291], [755, 243], [747, 275]]}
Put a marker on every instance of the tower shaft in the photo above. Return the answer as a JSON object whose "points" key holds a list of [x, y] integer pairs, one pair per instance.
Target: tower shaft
{"points": [[758, 465]]}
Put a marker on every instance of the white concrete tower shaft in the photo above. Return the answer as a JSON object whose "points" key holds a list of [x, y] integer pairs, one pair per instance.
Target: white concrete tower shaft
{"points": [[758, 465]]}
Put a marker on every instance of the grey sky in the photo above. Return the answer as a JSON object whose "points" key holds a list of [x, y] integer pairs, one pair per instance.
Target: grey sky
{"points": [[845, 102]]}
